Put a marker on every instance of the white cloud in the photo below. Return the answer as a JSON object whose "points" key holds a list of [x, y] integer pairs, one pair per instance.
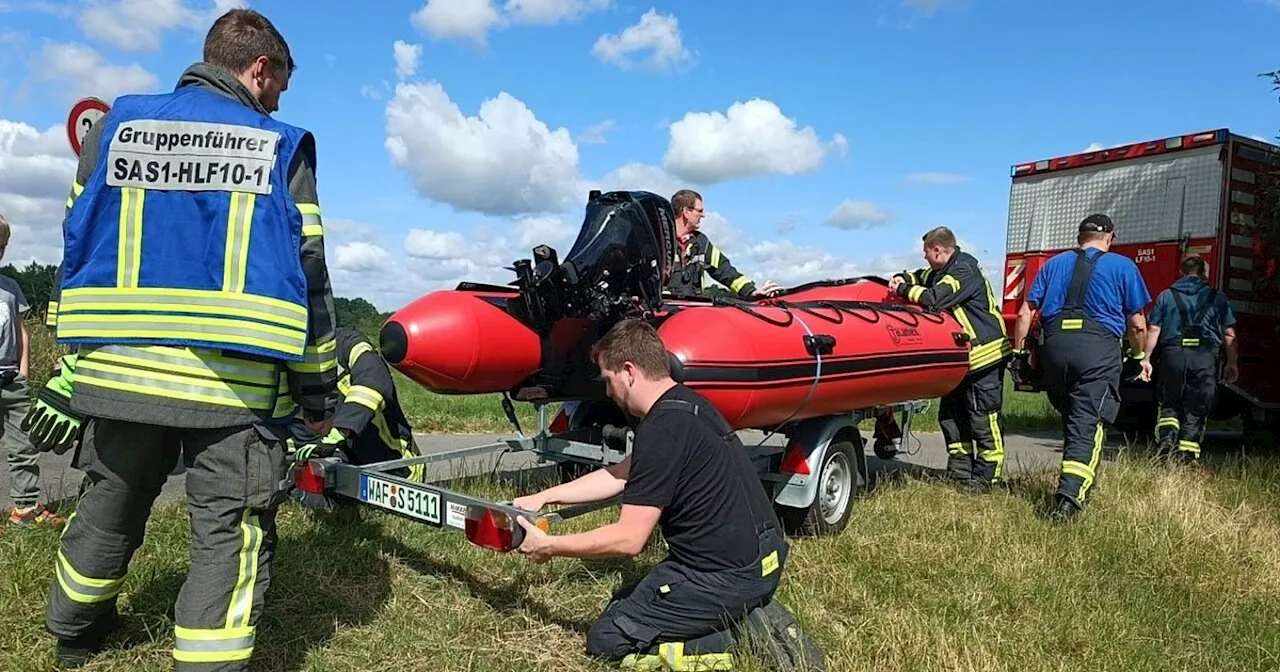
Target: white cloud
{"points": [[86, 73], [36, 170], [655, 33], [406, 56], [138, 25], [473, 19], [502, 162], [857, 215], [754, 138], [935, 178], [594, 135], [445, 19], [639, 177]]}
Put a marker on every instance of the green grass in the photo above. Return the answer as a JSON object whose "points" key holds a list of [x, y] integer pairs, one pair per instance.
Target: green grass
{"points": [[429, 412], [1169, 569]]}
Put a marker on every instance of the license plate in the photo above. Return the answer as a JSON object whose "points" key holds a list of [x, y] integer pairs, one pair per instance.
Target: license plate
{"points": [[412, 501]]}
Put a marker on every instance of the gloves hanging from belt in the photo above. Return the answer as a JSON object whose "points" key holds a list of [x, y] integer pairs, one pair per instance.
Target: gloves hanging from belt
{"points": [[51, 423], [329, 445]]}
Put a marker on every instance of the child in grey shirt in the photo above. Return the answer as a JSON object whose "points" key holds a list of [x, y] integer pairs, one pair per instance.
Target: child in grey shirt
{"points": [[15, 401]]}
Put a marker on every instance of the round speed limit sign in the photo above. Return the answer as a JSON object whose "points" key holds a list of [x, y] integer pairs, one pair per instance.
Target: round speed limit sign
{"points": [[84, 114]]}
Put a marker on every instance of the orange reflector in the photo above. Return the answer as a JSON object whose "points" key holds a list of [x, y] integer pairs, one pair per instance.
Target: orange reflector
{"points": [[795, 461], [495, 530]]}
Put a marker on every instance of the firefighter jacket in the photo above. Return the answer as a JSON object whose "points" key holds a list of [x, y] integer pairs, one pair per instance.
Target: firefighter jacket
{"points": [[368, 405], [224, 320], [698, 255], [960, 288]]}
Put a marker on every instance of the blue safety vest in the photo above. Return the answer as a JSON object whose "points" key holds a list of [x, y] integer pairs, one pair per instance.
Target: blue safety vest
{"points": [[186, 234]]}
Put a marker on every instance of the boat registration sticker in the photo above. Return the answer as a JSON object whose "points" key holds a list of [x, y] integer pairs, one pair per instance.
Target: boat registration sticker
{"points": [[414, 502]]}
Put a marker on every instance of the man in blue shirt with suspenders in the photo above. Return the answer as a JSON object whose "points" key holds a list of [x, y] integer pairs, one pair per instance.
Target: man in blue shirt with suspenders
{"points": [[1190, 323], [1085, 297]]}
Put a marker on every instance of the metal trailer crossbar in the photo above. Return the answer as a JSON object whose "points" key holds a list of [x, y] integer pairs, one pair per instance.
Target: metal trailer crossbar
{"points": [[812, 479]]}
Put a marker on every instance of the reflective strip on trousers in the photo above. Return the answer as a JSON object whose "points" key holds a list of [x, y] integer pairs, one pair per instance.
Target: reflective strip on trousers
{"points": [[1087, 472], [235, 640], [83, 589], [996, 454]]}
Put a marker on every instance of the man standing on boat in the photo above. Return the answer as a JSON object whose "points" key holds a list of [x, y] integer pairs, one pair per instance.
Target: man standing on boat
{"points": [[970, 414], [698, 255]]}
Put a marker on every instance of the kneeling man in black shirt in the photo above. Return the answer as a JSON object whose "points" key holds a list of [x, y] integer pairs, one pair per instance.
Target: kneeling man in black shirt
{"points": [[689, 474]]}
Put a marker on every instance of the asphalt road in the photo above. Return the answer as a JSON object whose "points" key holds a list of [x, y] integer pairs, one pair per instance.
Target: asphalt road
{"points": [[60, 480]]}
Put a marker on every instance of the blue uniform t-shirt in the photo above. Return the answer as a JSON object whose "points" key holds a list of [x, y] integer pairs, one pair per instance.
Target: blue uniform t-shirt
{"points": [[1117, 289], [1194, 290]]}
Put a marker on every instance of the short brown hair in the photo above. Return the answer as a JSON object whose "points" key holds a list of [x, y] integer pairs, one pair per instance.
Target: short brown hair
{"points": [[4, 232], [240, 36], [636, 341], [941, 237], [1193, 265], [685, 198]]}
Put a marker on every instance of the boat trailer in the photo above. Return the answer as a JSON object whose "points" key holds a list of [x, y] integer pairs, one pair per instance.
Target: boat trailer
{"points": [[812, 479]]}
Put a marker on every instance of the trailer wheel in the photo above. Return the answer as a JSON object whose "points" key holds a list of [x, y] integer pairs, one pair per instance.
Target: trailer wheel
{"points": [[832, 504]]}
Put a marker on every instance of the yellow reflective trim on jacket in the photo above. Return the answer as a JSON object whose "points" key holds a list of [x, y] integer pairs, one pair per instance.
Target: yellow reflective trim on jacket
{"points": [[365, 396], [950, 281], [202, 376], [236, 256], [51, 315], [737, 285], [312, 223], [129, 245], [915, 292], [357, 350], [270, 309], [318, 358]]}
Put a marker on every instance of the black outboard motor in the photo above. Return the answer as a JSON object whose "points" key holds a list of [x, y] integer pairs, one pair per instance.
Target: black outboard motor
{"points": [[621, 260]]}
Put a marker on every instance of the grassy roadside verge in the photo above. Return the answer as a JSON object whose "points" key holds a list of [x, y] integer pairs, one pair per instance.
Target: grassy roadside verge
{"points": [[1170, 569]]}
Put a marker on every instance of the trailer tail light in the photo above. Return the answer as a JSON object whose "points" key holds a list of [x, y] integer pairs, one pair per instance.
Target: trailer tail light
{"points": [[560, 423], [795, 461], [310, 478], [495, 529]]}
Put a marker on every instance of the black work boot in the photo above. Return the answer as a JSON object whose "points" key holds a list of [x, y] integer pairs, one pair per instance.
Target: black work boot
{"points": [[1063, 509], [74, 652], [791, 649]]}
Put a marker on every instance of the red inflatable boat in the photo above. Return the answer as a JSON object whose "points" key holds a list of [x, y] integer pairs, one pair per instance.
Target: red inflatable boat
{"points": [[816, 350]]}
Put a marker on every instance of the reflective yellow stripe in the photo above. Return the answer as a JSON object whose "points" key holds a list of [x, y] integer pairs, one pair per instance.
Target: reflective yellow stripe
{"points": [[950, 281], [129, 245], [1087, 472], [318, 358], [51, 315], [1189, 446], [713, 260], [312, 223], [241, 606], [737, 285], [367, 397], [178, 373], [960, 448], [915, 292], [989, 353], [236, 257], [1190, 342], [770, 564], [215, 318], [996, 454], [357, 350], [81, 588], [994, 309], [76, 190], [1073, 323], [193, 645]]}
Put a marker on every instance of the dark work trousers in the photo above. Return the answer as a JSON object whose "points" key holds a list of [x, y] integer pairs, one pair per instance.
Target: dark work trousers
{"points": [[1186, 387], [683, 618], [231, 481], [973, 427], [1082, 376]]}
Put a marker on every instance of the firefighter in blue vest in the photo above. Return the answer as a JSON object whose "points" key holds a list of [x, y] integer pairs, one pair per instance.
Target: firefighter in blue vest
{"points": [[368, 425], [195, 296], [1187, 329], [1085, 298], [970, 414]]}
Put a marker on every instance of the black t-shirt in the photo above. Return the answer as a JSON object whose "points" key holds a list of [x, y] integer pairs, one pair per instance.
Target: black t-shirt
{"points": [[709, 490]]}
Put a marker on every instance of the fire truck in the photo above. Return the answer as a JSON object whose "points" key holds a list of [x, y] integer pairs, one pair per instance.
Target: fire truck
{"points": [[1212, 193]]}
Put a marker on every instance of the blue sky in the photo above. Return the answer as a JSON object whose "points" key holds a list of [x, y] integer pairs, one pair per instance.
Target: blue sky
{"points": [[456, 134]]}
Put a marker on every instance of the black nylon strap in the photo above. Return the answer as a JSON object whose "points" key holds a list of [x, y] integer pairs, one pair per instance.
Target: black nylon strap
{"points": [[1081, 276]]}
